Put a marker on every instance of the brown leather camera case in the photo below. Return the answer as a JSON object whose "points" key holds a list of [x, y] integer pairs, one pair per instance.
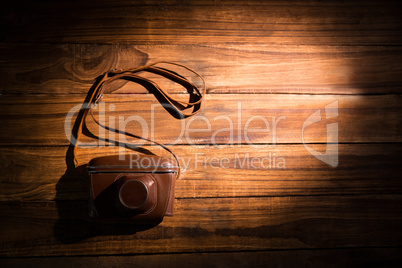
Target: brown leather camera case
{"points": [[125, 189]]}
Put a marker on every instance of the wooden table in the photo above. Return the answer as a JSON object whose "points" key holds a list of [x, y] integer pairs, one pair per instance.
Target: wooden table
{"points": [[288, 81]]}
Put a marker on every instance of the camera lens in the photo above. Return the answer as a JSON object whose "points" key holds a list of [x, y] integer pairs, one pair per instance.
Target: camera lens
{"points": [[133, 194]]}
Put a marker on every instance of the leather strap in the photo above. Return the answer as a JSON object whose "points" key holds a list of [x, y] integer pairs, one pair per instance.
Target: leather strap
{"points": [[133, 74]]}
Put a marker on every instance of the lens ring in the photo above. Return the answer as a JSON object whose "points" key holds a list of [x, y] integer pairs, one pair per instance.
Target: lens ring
{"points": [[124, 203]]}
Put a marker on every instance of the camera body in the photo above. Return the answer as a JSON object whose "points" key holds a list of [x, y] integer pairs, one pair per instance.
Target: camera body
{"points": [[140, 190]]}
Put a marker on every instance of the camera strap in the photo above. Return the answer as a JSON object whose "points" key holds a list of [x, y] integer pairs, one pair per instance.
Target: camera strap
{"points": [[132, 74]]}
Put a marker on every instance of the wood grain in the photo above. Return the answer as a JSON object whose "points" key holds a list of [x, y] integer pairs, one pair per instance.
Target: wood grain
{"points": [[357, 257], [282, 59], [228, 68], [269, 119], [40, 173], [204, 22], [205, 225]]}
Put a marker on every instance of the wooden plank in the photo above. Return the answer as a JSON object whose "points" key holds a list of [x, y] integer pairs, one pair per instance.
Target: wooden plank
{"points": [[225, 119], [306, 212], [206, 225], [72, 68], [40, 173], [356, 257], [201, 22]]}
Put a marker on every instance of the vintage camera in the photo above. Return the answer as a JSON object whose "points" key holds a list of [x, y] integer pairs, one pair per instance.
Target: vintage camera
{"points": [[121, 188], [141, 190]]}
